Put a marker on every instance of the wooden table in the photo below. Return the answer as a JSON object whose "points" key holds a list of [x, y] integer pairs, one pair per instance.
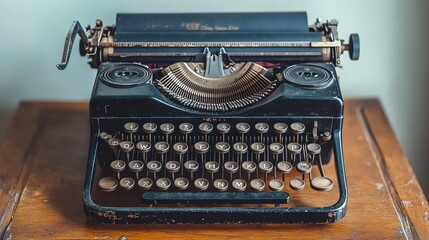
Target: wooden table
{"points": [[43, 160]]}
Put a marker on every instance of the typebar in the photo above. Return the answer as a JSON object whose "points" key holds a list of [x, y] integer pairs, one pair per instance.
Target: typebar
{"points": [[216, 197]]}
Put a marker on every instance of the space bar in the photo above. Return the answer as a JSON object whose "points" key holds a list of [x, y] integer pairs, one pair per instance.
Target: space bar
{"points": [[216, 197]]}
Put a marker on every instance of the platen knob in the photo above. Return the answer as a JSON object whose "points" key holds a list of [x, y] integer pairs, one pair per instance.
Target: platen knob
{"points": [[354, 46]]}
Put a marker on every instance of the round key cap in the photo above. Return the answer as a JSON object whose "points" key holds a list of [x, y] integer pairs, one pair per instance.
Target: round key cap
{"points": [[313, 148], [205, 128], [258, 147], [297, 128], [180, 148], [166, 128], [118, 165], [221, 184], [262, 128], [201, 147], [294, 148], [186, 128], [126, 146], [149, 127], [105, 137], [163, 184], [265, 167], [280, 127], [284, 167], [108, 184], [276, 148], [145, 183], [144, 147], [222, 147], [212, 167], [239, 184], [201, 184], [231, 167], [242, 128], [127, 183], [257, 185], [297, 184], [248, 166], [240, 147], [172, 166], [181, 183], [326, 136], [162, 147], [276, 185], [191, 166], [223, 128], [113, 143], [135, 166], [321, 183], [303, 167], [153, 166], [131, 127]]}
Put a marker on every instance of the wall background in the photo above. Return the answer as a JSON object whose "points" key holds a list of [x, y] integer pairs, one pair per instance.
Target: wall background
{"points": [[393, 64]]}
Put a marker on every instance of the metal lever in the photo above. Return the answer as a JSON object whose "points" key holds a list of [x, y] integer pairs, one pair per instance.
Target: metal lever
{"points": [[75, 28]]}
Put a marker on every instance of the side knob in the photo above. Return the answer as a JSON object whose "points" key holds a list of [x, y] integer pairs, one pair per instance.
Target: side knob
{"points": [[354, 46]]}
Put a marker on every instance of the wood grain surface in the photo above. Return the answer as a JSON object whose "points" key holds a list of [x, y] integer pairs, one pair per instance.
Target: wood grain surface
{"points": [[43, 161]]}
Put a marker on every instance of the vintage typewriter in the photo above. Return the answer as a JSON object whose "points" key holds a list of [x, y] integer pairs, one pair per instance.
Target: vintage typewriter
{"points": [[214, 118]]}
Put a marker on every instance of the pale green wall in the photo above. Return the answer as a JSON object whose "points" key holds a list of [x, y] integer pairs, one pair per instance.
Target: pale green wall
{"points": [[393, 64]]}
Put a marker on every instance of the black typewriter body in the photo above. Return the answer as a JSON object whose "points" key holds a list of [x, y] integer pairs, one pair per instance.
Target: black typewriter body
{"points": [[214, 131]]}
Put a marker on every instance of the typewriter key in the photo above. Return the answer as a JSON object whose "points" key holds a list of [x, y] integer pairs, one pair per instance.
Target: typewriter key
{"points": [[127, 183], [242, 128], [105, 137], [201, 184], [118, 166], [191, 166], [326, 136], [108, 184], [248, 167], [280, 128], [186, 128], [257, 185], [276, 149], [231, 168], [162, 148], [223, 128], [239, 185], [321, 183], [136, 166], [149, 128], [240, 148], [145, 183], [166, 128], [222, 147], [127, 147], [201, 147], [266, 167], [212, 167], [163, 184], [297, 128], [276, 185], [205, 128], [297, 184], [294, 149], [284, 167], [181, 183], [113, 144], [154, 167], [303, 167], [313, 148], [221, 184], [131, 127], [144, 148], [261, 128], [180, 148], [172, 167], [258, 149]]}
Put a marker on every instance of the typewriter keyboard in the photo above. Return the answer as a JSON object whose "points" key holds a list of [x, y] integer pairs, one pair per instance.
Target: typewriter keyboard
{"points": [[213, 162]]}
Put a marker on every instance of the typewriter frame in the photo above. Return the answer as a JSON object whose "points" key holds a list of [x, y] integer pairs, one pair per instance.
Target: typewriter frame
{"points": [[273, 214]]}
